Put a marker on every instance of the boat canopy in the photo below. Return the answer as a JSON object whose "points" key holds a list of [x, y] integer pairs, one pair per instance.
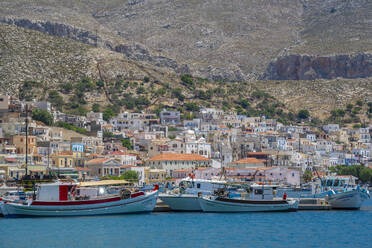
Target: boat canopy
{"points": [[103, 183]]}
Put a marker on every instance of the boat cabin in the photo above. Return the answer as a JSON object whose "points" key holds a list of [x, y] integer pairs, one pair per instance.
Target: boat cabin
{"points": [[336, 183], [58, 191], [15, 196], [196, 186], [260, 192], [71, 190]]}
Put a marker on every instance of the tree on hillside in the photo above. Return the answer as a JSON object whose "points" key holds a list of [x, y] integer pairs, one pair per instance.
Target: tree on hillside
{"points": [[108, 113], [177, 92], [191, 106], [359, 103], [146, 79], [43, 116], [187, 80], [303, 114], [96, 107], [126, 143], [55, 99]]}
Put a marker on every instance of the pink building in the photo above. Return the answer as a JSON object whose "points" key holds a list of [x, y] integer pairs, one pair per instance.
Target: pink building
{"points": [[265, 174], [199, 173]]}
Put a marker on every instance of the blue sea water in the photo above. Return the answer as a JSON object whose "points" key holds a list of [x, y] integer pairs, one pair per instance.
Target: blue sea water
{"points": [[293, 229]]}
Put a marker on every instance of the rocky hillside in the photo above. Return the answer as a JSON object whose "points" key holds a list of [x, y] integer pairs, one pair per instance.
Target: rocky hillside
{"points": [[30, 55], [297, 67], [121, 42], [217, 39]]}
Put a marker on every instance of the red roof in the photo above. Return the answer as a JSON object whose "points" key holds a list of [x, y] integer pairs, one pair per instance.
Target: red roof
{"points": [[66, 153], [10, 159], [81, 169], [98, 160], [118, 153], [248, 161], [183, 170]]}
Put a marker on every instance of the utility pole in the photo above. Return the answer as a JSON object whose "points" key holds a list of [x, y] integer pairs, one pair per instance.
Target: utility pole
{"points": [[48, 153], [26, 139]]}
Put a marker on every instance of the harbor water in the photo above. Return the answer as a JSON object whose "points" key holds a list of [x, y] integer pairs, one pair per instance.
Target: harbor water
{"points": [[292, 229]]}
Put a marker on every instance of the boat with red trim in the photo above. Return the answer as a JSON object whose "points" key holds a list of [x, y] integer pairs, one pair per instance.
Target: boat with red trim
{"points": [[80, 199]]}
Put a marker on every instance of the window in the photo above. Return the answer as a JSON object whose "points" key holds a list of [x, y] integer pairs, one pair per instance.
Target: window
{"points": [[198, 185], [292, 174], [99, 171], [258, 191]]}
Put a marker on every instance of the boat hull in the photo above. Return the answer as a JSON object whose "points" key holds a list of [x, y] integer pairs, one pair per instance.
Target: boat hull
{"points": [[347, 200], [213, 205], [181, 202], [145, 203]]}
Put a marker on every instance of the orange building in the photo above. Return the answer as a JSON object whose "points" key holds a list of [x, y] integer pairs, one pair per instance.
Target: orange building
{"points": [[19, 141]]}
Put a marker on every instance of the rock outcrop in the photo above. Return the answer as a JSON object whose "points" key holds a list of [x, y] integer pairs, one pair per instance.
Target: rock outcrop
{"points": [[217, 39], [304, 67]]}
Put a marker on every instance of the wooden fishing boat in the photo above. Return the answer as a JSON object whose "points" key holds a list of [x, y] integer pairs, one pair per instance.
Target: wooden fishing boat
{"points": [[74, 199], [260, 198]]}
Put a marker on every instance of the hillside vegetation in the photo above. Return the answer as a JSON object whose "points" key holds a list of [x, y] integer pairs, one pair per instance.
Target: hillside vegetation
{"points": [[138, 55]]}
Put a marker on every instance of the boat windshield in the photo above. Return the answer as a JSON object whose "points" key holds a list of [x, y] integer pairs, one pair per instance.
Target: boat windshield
{"points": [[329, 183], [336, 183], [190, 185]]}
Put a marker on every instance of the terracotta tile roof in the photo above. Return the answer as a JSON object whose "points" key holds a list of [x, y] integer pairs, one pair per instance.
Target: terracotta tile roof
{"points": [[67, 153], [248, 161], [94, 155], [118, 153], [10, 159], [98, 160], [183, 170], [203, 168], [81, 169], [178, 157]]}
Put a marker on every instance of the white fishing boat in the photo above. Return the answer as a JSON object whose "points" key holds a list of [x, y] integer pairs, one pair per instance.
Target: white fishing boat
{"points": [[5, 188], [185, 198], [341, 192], [80, 199], [347, 199], [259, 198]]}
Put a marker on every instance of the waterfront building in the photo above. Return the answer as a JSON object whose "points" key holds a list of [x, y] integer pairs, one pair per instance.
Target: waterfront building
{"points": [[100, 167], [171, 162]]}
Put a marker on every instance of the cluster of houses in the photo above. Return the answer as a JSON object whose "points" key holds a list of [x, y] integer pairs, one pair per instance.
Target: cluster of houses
{"points": [[165, 147]]}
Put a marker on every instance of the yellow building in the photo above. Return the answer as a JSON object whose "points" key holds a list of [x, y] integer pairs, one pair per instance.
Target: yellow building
{"points": [[63, 160], [68, 159]]}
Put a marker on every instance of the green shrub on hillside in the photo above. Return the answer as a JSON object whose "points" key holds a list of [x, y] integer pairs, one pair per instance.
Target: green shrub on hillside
{"points": [[43, 116]]}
